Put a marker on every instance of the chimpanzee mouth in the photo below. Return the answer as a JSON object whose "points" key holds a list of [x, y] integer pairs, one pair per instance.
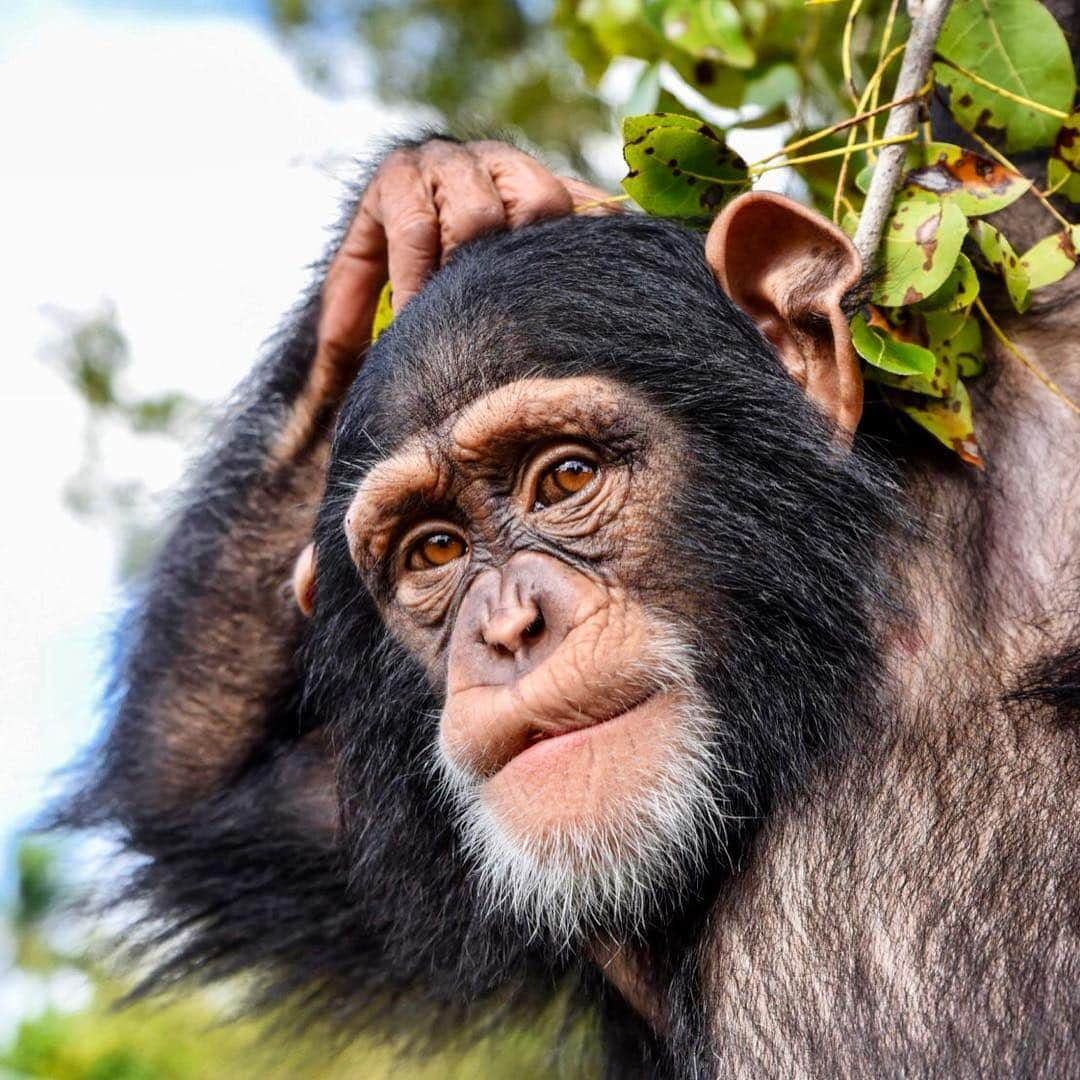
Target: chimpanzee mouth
{"points": [[538, 735]]}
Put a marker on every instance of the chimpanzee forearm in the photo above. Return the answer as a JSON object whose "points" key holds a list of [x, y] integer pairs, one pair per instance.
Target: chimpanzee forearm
{"points": [[207, 683]]}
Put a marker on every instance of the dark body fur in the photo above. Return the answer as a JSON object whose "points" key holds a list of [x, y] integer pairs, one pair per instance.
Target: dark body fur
{"points": [[373, 920]]}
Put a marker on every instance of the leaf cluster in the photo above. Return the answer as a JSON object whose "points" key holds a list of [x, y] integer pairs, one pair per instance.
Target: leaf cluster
{"points": [[1004, 74]]}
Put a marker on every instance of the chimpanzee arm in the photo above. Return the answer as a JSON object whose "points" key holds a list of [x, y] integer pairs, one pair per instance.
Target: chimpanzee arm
{"points": [[207, 686]]}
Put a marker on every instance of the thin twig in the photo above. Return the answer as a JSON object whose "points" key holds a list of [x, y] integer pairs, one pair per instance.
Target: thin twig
{"points": [[903, 120], [609, 201], [836, 151], [875, 80], [1029, 364], [824, 133], [845, 50], [883, 48], [1002, 92]]}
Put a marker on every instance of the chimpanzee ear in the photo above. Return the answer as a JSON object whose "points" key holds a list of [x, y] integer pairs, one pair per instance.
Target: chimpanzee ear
{"points": [[303, 580], [788, 269]]}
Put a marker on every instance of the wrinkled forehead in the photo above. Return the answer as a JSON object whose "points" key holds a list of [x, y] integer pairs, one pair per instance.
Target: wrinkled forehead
{"points": [[592, 408]]}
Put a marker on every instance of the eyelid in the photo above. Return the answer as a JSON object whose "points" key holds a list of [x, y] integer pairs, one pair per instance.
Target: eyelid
{"points": [[417, 532], [551, 455]]}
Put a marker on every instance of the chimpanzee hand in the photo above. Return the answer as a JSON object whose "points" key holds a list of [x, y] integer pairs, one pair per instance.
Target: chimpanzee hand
{"points": [[422, 203]]}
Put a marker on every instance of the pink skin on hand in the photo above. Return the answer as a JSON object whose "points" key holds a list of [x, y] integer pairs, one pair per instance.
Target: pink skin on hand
{"points": [[420, 205]]}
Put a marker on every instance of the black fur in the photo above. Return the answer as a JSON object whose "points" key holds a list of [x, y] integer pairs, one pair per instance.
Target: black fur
{"points": [[779, 533]]}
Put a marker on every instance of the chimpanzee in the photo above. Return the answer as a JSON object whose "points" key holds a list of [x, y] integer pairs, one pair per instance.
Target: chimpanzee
{"points": [[590, 644]]}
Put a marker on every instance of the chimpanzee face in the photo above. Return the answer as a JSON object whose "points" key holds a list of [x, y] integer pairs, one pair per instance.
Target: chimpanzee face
{"points": [[593, 577], [517, 548]]}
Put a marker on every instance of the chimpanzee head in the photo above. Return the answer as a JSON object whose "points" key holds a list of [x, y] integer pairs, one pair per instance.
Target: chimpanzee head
{"points": [[596, 576]]}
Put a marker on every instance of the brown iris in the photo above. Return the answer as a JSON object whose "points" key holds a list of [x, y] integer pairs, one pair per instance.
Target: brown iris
{"points": [[563, 479], [435, 549]]}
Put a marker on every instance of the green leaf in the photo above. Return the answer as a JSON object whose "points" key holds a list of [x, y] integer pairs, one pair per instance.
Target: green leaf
{"points": [[920, 247], [777, 86], [948, 419], [1051, 258], [999, 254], [384, 313], [977, 184], [706, 29], [958, 349], [877, 343], [1063, 168], [1018, 46], [680, 167], [958, 292]]}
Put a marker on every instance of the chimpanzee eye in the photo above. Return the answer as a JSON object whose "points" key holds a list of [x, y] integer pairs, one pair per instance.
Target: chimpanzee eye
{"points": [[435, 549], [563, 479]]}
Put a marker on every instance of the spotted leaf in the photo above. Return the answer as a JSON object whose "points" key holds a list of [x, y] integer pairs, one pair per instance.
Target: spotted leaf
{"points": [[1063, 168], [1051, 258], [977, 184], [680, 167], [958, 292], [1018, 46], [919, 250], [948, 419], [1000, 256]]}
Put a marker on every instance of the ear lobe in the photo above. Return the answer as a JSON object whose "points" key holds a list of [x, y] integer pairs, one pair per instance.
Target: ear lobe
{"points": [[788, 269], [303, 580]]}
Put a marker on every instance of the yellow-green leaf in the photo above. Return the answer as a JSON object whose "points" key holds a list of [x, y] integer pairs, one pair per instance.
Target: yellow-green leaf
{"points": [[1016, 45], [958, 292], [878, 344], [919, 250], [384, 313], [1063, 168], [977, 184], [948, 419], [706, 29], [1051, 258], [680, 167], [1001, 257]]}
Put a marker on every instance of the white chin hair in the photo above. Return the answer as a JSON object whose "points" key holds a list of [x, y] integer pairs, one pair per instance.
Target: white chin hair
{"points": [[619, 872]]}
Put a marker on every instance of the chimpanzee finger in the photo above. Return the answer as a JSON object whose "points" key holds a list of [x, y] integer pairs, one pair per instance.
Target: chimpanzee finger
{"points": [[591, 200], [464, 196], [407, 214], [529, 191], [350, 295]]}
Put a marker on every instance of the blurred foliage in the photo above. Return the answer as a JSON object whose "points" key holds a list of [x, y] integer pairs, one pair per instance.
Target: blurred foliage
{"points": [[483, 65], [70, 1028], [92, 355]]}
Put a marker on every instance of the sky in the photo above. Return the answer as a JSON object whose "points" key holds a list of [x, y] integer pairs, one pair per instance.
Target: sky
{"points": [[167, 158]]}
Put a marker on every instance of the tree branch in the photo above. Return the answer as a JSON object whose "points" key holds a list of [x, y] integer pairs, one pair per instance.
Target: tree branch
{"points": [[914, 69]]}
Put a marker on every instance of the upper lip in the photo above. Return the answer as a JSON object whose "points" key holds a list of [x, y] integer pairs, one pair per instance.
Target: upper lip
{"points": [[501, 721]]}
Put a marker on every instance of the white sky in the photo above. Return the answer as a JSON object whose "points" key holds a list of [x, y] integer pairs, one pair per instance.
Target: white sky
{"points": [[171, 165]]}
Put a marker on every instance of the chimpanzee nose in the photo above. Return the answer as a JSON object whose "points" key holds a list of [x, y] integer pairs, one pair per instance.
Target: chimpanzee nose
{"points": [[512, 629], [514, 617]]}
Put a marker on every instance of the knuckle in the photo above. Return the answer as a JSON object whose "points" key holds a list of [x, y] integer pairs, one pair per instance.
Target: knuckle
{"points": [[415, 227]]}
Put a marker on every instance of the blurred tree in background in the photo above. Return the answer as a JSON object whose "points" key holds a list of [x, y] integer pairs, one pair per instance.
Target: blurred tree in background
{"points": [[482, 65]]}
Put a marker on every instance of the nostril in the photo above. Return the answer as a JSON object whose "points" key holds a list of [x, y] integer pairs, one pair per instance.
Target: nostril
{"points": [[535, 628]]}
